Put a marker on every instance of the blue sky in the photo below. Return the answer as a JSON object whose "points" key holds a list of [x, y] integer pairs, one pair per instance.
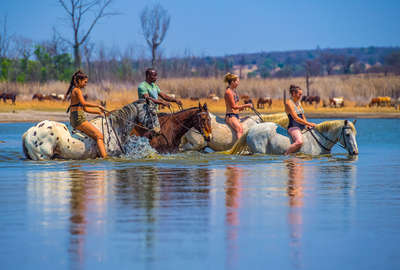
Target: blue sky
{"points": [[220, 27]]}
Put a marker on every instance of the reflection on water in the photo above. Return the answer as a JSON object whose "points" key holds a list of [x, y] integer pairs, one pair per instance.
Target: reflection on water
{"points": [[295, 191], [203, 210], [233, 190], [87, 210], [82, 194]]}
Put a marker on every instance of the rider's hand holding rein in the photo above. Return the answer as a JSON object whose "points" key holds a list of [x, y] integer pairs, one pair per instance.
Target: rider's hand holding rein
{"points": [[87, 105]]}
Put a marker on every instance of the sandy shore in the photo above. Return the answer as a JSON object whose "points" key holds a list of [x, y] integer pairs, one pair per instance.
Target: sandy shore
{"points": [[37, 116]]}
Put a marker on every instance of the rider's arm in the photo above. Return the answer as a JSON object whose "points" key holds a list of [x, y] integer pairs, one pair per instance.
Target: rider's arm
{"points": [[168, 98], [231, 101], [290, 110], [86, 104], [156, 101]]}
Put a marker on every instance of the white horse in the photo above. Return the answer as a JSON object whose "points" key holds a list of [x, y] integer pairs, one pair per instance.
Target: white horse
{"points": [[223, 136], [270, 138], [50, 139]]}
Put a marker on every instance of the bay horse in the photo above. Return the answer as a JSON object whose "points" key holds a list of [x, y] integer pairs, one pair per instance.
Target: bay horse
{"points": [[270, 138], [262, 101], [51, 139], [41, 97], [311, 99], [11, 96], [175, 125]]}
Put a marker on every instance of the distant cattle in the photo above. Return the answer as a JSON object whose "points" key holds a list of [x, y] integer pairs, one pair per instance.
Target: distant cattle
{"points": [[194, 98], [244, 97], [215, 98], [380, 101], [262, 101], [11, 96], [211, 96], [51, 97], [41, 97], [311, 99], [336, 102], [396, 103], [57, 96]]}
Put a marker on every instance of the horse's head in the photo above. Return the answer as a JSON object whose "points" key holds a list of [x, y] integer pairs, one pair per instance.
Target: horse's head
{"points": [[148, 116], [203, 122], [348, 137]]}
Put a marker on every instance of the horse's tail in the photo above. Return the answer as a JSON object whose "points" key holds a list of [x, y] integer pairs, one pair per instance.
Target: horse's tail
{"points": [[24, 148], [239, 147]]}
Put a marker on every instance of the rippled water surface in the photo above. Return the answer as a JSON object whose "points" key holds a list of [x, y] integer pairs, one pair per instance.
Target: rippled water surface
{"points": [[204, 211]]}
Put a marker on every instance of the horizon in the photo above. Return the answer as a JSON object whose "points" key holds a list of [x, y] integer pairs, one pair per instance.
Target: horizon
{"points": [[259, 27]]}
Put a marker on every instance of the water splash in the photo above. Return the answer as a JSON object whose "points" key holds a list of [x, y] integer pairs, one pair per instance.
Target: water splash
{"points": [[139, 148]]}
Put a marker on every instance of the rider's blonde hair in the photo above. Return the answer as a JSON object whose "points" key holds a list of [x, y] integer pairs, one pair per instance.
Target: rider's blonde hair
{"points": [[229, 77]]}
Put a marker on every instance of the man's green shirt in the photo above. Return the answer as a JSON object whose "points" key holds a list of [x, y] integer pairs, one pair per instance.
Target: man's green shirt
{"points": [[151, 89]]}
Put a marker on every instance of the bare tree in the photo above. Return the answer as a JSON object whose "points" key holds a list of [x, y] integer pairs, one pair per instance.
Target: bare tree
{"points": [[155, 23], [4, 38], [84, 10]]}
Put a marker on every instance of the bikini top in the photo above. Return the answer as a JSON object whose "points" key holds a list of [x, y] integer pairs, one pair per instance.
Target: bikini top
{"points": [[74, 105]]}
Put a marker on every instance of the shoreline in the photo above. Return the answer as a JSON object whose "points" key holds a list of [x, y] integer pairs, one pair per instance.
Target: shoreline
{"points": [[37, 116]]}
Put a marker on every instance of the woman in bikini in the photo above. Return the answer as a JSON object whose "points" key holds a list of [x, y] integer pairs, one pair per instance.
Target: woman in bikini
{"points": [[77, 108], [232, 104], [297, 119]]}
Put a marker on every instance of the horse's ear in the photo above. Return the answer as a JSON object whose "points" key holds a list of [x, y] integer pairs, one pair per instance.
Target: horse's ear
{"points": [[199, 105], [205, 107], [354, 121], [346, 122]]}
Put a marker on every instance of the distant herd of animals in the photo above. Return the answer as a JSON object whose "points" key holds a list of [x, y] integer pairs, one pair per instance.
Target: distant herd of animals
{"points": [[262, 102]]}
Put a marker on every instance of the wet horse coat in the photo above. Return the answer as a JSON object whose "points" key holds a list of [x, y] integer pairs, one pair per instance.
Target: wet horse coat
{"points": [[175, 125], [50, 139], [270, 138], [224, 137]]}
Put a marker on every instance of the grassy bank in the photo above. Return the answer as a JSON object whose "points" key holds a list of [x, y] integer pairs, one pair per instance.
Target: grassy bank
{"points": [[357, 91], [214, 106]]}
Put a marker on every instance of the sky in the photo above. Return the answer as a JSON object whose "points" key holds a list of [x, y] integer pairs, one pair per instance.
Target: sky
{"points": [[221, 27]]}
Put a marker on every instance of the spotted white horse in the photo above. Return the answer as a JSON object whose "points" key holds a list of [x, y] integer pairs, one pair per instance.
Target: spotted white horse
{"points": [[224, 137], [270, 138], [50, 139]]}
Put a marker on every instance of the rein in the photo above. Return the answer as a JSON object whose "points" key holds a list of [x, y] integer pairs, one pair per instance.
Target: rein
{"points": [[258, 114], [115, 133], [329, 140], [187, 128]]}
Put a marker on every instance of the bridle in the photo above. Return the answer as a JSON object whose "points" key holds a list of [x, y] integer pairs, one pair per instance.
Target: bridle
{"points": [[329, 140]]}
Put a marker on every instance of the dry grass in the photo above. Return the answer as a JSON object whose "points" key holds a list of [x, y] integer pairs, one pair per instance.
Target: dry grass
{"points": [[357, 91]]}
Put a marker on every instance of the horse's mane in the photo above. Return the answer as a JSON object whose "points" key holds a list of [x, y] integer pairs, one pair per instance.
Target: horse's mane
{"points": [[333, 124], [278, 118], [126, 112]]}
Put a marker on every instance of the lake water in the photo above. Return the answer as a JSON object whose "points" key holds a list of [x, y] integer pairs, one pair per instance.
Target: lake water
{"points": [[204, 211]]}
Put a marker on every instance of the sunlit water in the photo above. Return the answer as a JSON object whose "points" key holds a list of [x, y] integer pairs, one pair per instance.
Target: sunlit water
{"points": [[204, 211]]}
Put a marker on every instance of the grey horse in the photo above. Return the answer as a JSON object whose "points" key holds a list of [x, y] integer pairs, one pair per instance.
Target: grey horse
{"points": [[270, 138]]}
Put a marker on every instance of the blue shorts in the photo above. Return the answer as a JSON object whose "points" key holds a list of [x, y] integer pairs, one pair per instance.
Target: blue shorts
{"points": [[229, 115]]}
